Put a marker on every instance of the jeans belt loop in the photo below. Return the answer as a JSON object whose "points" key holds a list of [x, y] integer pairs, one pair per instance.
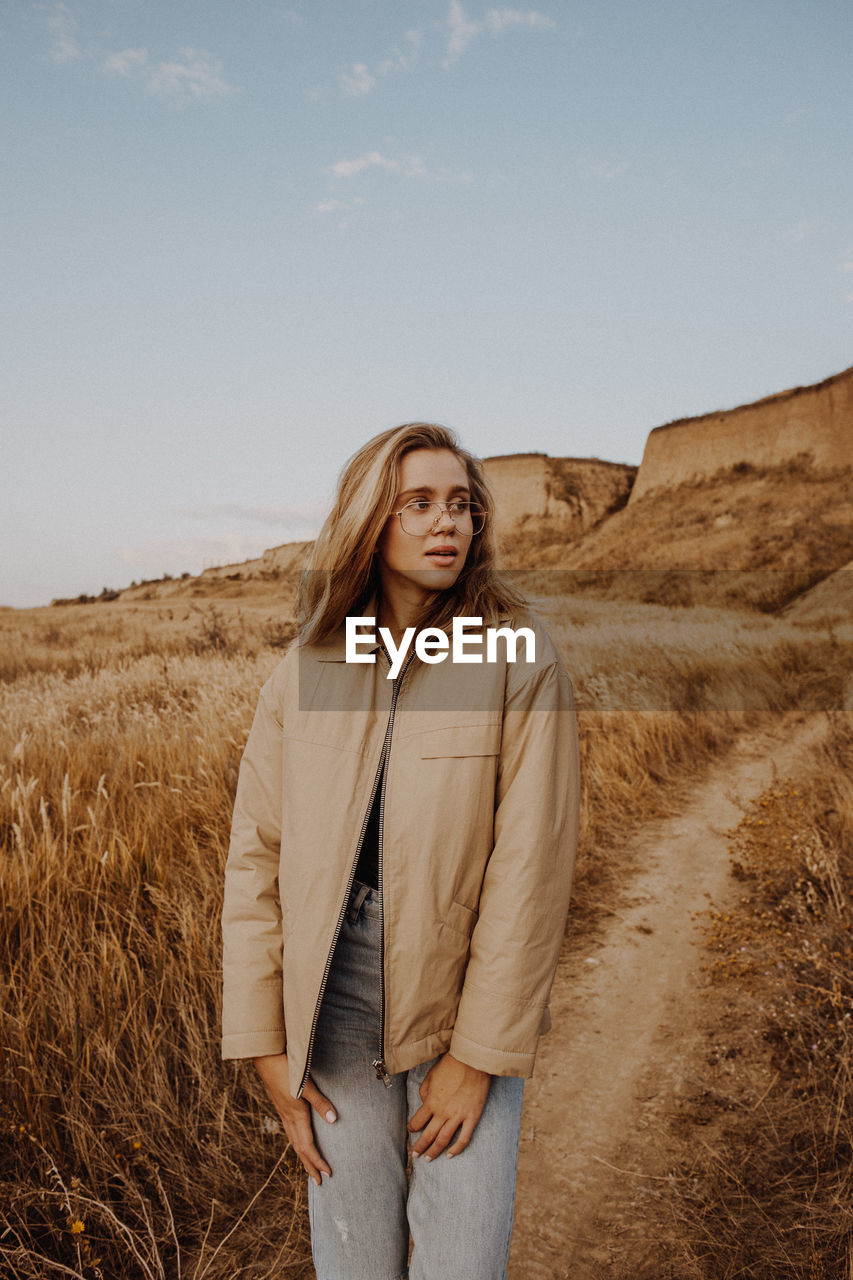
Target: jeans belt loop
{"points": [[357, 902]]}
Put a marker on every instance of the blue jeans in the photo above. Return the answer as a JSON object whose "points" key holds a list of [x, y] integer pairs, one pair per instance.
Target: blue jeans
{"points": [[459, 1211]]}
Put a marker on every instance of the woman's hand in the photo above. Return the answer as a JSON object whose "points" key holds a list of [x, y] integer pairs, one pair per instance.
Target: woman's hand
{"points": [[296, 1112], [452, 1094]]}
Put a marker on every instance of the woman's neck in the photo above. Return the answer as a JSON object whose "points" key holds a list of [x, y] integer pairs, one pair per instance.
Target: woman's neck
{"points": [[399, 608], [395, 618]]}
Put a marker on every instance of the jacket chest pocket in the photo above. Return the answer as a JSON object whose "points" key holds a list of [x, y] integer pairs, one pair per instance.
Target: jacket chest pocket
{"points": [[462, 740]]}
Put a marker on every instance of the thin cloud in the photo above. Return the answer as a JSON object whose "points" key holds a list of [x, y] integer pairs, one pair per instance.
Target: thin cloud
{"points": [[462, 32], [402, 59], [360, 79], [357, 82], [334, 206], [125, 61], [408, 167], [463, 29], [196, 75], [498, 20], [65, 46]]}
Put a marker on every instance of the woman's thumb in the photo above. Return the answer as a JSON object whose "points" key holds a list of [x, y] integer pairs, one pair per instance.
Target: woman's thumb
{"points": [[321, 1105]]}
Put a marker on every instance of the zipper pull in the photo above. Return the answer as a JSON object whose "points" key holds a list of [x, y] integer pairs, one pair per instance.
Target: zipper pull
{"points": [[382, 1072]]}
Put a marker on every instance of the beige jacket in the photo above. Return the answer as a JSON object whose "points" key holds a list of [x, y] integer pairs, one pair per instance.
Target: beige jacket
{"points": [[477, 852]]}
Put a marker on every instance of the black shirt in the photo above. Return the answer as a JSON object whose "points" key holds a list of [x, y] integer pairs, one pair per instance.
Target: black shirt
{"points": [[367, 870]]}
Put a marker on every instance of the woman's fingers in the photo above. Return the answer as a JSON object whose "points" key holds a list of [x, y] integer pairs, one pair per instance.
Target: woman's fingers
{"points": [[295, 1113], [321, 1104], [453, 1096], [420, 1118], [463, 1138], [436, 1136], [302, 1140], [427, 1137]]}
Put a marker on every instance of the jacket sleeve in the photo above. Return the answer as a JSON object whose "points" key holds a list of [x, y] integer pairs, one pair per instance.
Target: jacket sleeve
{"points": [[524, 899], [252, 1004]]}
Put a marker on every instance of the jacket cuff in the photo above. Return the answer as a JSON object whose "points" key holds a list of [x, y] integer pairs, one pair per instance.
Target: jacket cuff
{"points": [[253, 1044], [513, 1023], [252, 1019], [498, 1062]]}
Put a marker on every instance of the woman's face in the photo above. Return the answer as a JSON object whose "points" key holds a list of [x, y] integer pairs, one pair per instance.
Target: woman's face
{"points": [[416, 565]]}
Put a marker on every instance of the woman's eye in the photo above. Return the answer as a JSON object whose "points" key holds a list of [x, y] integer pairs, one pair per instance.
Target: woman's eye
{"points": [[420, 505], [459, 507]]}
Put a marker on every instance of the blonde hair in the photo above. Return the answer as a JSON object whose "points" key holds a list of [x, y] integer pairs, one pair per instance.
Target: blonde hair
{"points": [[342, 572]]}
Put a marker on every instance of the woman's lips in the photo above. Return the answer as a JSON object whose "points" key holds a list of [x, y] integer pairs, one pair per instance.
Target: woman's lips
{"points": [[443, 555]]}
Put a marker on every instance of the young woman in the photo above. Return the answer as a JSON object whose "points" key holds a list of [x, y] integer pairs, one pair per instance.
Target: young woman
{"points": [[399, 872]]}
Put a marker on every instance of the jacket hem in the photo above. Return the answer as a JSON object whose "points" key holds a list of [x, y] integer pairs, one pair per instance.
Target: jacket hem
{"points": [[406, 1056]]}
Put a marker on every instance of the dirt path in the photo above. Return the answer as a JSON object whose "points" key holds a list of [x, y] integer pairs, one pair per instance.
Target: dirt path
{"points": [[625, 1015]]}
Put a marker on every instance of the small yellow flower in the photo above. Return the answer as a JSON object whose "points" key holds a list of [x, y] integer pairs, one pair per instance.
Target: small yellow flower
{"points": [[77, 1227], [137, 1144]]}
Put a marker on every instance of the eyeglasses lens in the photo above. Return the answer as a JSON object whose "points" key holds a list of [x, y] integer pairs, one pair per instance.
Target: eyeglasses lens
{"points": [[419, 519]]}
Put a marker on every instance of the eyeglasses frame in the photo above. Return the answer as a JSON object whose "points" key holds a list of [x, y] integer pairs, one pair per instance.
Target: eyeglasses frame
{"points": [[444, 511]]}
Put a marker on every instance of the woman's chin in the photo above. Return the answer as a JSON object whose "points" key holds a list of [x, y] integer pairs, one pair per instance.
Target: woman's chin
{"points": [[436, 579]]}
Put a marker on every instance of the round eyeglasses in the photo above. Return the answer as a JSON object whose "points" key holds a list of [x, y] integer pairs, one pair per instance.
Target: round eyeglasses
{"points": [[420, 517]]}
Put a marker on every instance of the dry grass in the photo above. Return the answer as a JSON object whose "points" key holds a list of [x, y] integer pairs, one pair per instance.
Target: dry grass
{"points": [[114, 812], [79, 639], [133, 1150], [769, 1192]]}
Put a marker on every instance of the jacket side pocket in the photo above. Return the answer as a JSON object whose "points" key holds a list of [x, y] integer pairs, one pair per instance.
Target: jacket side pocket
{"points": [[461, 919]]}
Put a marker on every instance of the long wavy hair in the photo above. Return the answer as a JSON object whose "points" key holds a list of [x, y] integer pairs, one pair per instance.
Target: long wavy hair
{"points": [[342, 573]]}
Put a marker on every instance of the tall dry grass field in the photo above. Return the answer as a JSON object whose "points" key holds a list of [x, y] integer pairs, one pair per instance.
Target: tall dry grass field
{"points": [[131, 1150]]}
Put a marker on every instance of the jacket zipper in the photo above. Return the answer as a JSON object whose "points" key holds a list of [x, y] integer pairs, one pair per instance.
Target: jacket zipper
{"points": [[378, 1063]]}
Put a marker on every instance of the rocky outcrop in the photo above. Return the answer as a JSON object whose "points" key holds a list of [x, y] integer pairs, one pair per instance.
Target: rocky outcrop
{"points": [[274, 561], [816, 421], [562, 497]]}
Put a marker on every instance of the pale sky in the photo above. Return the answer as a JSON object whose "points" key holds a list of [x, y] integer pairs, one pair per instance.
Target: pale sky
{"points": [[239, 239]]}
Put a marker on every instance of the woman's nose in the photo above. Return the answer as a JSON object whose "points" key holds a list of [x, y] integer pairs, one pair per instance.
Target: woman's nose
{"points": [[444, 520]]}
